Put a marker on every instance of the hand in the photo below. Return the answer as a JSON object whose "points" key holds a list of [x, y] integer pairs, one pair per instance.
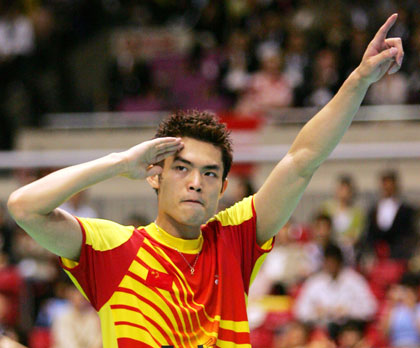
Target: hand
{"points": [[382, 55], [142, 159], [6, 342], [340, 312]]}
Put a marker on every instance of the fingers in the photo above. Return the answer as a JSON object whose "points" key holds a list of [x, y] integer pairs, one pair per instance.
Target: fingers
{"points": [[163, 142], [383, 31], [397, 43], [385, 58], [153, 170], [163, 145], [161, 156]]}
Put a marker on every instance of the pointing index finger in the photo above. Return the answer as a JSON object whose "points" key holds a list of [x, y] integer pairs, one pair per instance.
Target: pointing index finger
{"points": [[383, 31]]}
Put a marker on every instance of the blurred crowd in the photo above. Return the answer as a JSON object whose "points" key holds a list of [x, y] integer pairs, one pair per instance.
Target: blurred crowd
{"points": [[242, 56], [349, 277]]}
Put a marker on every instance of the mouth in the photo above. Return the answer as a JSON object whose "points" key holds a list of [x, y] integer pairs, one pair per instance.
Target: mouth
{"points": [[193, 201]]}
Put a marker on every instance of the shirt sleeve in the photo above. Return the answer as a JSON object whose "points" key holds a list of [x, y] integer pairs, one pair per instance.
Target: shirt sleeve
{"points": [[107, 251], [238, 228], [305, 305], [362, 303]]}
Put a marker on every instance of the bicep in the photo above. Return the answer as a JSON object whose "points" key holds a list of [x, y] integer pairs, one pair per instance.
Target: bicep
{"points": [[278, 197], [58, 232]]}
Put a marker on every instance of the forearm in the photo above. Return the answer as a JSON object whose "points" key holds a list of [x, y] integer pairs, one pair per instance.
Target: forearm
{"points": [[321, 134], [44, 195]]}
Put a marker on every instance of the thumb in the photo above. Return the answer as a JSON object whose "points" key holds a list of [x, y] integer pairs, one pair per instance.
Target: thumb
{"points": [[153, 170], [384, 57]]}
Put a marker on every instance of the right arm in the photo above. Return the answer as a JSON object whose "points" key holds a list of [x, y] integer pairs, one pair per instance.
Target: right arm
{"points": [[34, 207]]}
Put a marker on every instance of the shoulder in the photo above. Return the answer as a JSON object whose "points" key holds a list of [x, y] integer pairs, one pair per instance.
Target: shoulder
{"points": [[351, 276], [104, 234], [317, 280], [237, 214]]}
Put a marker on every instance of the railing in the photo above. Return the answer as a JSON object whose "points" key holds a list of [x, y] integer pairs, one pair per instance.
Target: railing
{"points": [[100, 120]]}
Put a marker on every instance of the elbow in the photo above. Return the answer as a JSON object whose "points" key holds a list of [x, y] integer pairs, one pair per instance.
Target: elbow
{"points": [[305, 163], [16, 206]]}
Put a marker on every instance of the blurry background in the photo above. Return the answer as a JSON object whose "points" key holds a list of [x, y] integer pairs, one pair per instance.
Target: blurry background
{"points": [[80, 79]]}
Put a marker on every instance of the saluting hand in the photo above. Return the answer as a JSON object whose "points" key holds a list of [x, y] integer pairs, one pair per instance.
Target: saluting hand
{"points": [[142, 159], [382, 54]]}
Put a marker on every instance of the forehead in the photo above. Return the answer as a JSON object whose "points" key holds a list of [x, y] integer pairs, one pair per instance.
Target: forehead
{"points": [[200, 153]]}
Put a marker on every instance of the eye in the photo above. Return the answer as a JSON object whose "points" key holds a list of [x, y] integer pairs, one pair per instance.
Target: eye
{"points": [[180, 168], [212, 174]]}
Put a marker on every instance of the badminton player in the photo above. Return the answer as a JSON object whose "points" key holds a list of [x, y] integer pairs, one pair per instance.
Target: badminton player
{"points": [[182, 280]]}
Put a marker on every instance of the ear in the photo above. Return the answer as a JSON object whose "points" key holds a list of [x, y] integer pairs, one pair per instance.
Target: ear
{"points": [[154, 181], [224, 187]]}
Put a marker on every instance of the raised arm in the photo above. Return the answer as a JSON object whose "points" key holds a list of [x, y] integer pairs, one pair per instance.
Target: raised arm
{"points": [[281, 192], [34, 206]]}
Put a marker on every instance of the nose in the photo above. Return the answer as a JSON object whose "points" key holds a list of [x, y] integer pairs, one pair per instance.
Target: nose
{"points": [[194, 183]]}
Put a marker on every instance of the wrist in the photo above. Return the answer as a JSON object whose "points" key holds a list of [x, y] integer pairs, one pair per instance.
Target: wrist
{"points": [[119, 163], [359, 80]]}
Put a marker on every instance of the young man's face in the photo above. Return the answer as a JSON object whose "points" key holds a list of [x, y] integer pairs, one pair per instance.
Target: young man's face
{"points": [[190, 185]]}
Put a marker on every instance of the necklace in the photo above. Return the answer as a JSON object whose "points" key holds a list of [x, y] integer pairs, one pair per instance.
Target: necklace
{"points": [[192, 267]]}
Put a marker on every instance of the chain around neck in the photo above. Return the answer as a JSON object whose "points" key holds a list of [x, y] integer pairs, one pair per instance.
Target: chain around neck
{"points": [[192, 267]]}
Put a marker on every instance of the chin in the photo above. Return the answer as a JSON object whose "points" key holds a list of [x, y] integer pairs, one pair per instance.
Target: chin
{"points": [[192, 219]]}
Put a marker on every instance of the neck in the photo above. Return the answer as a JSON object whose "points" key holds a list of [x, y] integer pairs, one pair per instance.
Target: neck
{"points": [[344, 204], [177, 229]]}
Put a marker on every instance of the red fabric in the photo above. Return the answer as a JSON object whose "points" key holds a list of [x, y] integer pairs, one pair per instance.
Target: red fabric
{"points": [[100, 276], [222, 274], [40, 338], [11, 285], [159, 279]]}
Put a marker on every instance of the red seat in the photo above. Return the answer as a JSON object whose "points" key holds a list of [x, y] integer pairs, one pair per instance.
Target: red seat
{"points": [[375, 337], [40, 338], [262, 338]]}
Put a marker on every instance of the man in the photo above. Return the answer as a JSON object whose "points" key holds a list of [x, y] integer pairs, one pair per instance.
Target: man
{"points": [[175, 283], [391, 220], [335, 295]]}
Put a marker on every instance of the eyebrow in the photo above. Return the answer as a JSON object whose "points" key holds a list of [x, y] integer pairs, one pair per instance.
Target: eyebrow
{"points": [[208, 167]]}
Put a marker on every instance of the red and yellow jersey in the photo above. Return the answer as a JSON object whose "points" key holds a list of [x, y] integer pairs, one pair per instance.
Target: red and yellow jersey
{"points": [[140, 281]]}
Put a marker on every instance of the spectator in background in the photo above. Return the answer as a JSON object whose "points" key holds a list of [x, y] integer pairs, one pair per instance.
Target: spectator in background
{"points": [[351, 336], [322, 235], [294, 335], [55, 305], [11, 294], [296, 62], [268, 87], [413, 67], [347, 218], [401, 321], [391, 220], [235, 68], [286, 265], [325, 78], [38, 268], [6, 236], [352, 51], [78, 326], [335, 295], [16, 44], [395, 86], [78, 206], [195, 84], [128, 78]]}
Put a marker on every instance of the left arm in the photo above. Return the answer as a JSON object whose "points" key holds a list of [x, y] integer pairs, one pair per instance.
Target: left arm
{"points": [[281, 192]]}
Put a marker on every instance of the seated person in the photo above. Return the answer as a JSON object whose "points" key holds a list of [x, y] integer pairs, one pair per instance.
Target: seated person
{"points": [[335, 295]]}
